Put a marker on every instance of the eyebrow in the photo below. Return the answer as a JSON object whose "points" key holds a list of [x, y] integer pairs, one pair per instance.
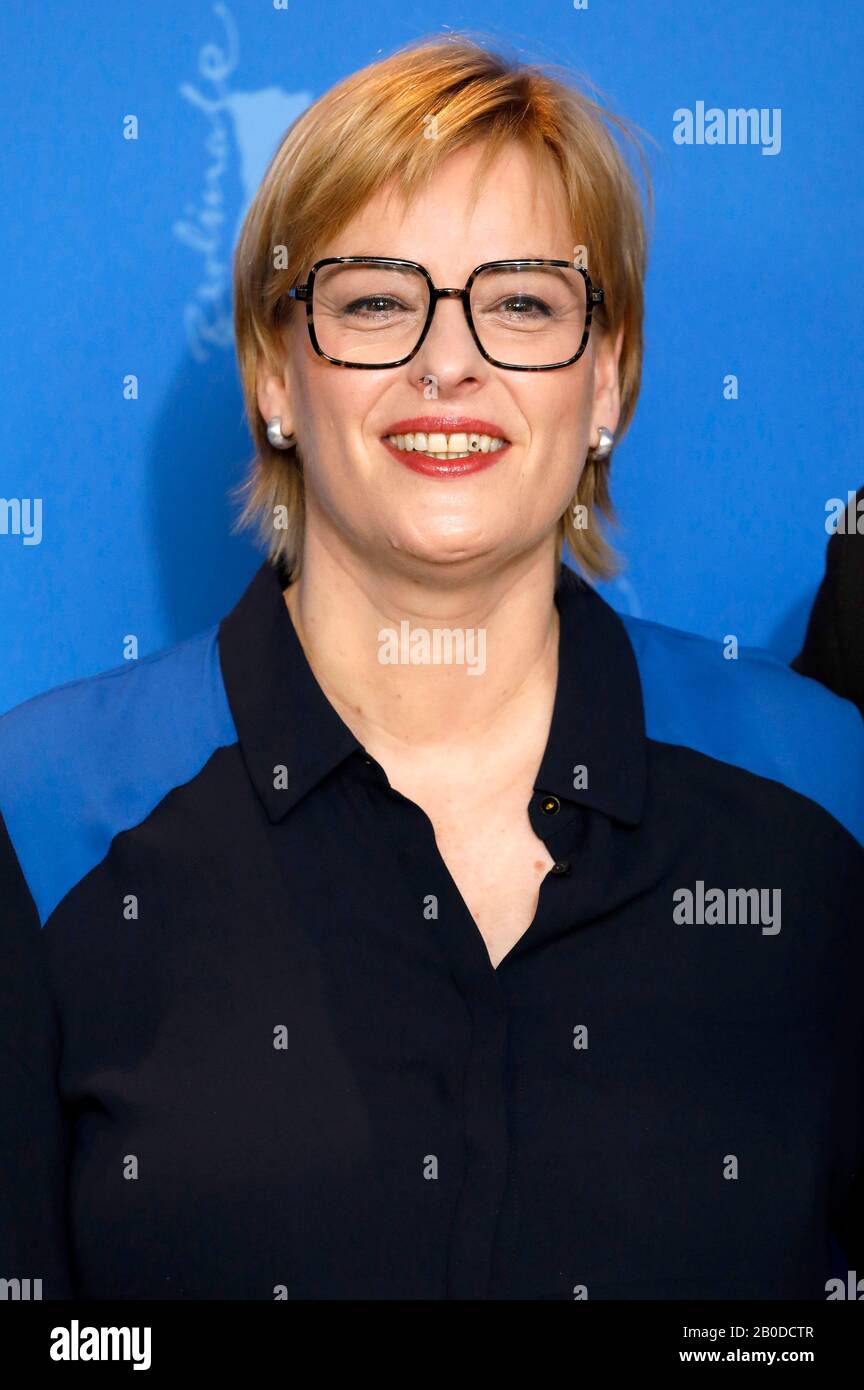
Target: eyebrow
{"points": [[557, 271]]}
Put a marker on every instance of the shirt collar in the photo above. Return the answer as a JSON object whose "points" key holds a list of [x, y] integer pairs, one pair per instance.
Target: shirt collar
{"points": [[598, 720], [284, 719]]}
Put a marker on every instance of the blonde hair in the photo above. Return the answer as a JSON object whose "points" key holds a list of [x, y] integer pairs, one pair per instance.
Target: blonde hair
{"points": [[368, 130]]}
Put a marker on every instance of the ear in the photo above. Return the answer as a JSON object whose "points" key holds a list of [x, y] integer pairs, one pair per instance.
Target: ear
{"points": [[273, 395], [607, 396]]}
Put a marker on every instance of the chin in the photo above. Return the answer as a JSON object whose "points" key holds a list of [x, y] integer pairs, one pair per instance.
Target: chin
{"points": [[445, 548]]}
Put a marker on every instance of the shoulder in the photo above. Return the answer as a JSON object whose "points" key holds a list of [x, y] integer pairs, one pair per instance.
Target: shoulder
{"points": [[85, 720], [86, 760], [746, 707]]}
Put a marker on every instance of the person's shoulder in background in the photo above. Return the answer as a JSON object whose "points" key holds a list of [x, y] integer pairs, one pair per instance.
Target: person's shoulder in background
{"points": [[833, 650], [743, 706], [86, 760]]}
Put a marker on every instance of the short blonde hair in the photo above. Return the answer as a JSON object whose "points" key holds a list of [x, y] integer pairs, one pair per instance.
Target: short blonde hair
{"points": [[369, 129]]}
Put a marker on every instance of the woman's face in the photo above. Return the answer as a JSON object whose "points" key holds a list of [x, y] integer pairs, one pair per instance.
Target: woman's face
{"points": [[359, 495]]}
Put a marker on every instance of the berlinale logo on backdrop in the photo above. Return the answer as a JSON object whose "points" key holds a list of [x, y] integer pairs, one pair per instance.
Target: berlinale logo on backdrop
{"points": [[244, 128]]}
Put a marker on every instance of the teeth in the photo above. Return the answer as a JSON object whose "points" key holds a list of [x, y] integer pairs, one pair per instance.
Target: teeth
{"points": [[446, 445]]}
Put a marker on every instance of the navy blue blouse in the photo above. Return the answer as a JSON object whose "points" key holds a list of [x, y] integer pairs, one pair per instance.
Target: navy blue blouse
{"points": [[253, 1045]]}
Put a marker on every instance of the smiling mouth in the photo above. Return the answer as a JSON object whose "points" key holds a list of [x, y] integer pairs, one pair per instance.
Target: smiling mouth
{"points": [[446, 447]]}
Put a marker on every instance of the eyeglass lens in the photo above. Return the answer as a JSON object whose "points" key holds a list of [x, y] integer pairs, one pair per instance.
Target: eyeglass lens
{"points": [[528, 317]]}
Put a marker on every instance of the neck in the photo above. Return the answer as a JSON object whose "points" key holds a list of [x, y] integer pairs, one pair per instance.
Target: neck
{"points": [[420, 662]]}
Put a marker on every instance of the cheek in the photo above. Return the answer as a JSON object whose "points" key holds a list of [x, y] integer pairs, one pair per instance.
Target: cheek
{"points": [[570, 399], [557, 405], [560, 423], [339, 401]]}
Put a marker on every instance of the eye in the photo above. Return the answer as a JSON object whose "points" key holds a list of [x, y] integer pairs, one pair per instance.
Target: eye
{"points": [[529, 302], [373, 304], [521, 306]]}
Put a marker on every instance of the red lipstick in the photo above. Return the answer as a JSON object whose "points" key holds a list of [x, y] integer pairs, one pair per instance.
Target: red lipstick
{"points": [[446, 424]]}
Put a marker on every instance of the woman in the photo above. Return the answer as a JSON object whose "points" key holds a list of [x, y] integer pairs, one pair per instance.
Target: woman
{"points": [[427, 929]]}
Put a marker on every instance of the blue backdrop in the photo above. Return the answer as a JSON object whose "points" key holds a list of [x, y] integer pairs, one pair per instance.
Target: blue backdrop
{"points": [[114, 518]]}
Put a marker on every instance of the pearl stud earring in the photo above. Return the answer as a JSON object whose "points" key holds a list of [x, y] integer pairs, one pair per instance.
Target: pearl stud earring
{"points": [[276, 437], [603, 449]]}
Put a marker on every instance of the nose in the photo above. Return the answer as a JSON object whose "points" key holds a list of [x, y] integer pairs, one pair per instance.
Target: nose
{"points": [[448, 353]]}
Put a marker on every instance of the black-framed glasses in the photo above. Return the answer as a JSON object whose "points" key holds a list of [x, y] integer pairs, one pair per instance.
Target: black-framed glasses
{"points": [[372, 312]]}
